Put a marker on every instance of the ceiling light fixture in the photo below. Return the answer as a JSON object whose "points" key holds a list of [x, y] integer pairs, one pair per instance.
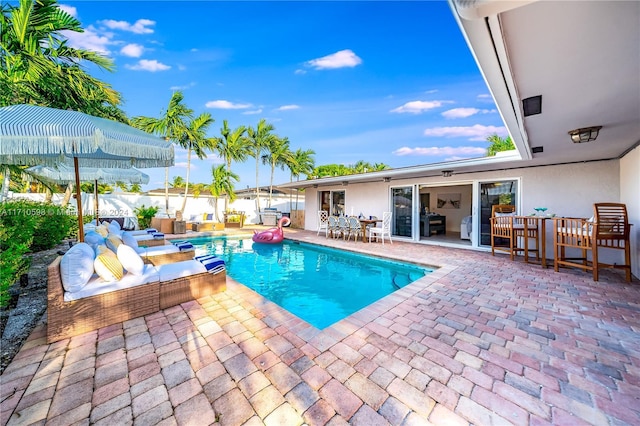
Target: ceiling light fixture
{"points": [[447, 173], [345, 183], [387, 179], [586, 134]]}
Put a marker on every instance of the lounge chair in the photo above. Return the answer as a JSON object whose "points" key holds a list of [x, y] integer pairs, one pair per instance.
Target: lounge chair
{"points": [[98, 304]]}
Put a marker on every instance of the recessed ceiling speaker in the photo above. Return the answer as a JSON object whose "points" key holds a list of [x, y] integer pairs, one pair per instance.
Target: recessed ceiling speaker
{"points": [[532, 105]]}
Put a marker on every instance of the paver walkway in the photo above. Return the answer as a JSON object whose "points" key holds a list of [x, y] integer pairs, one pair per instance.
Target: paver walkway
{"points": [[481, 341]]}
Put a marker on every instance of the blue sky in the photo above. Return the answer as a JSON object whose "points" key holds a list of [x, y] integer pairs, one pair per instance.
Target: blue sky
{"points": [[383, 82]]}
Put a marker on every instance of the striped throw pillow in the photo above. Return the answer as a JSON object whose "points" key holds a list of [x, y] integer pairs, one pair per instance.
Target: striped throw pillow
{"points": [[107, 265]]}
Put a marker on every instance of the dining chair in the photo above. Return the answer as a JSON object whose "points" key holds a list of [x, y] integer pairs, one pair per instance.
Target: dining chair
{"points": [[383, 229], [343, 226], [608, 228], [516, 230], [323, 222], [333, 228], [355, 228]]}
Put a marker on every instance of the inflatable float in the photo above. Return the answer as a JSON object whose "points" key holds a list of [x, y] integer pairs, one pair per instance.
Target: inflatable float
{"points": [[272, 235]]}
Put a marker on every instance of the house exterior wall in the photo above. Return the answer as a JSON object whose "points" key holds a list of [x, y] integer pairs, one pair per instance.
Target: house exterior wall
{"points": [[630, 195], [567, 190]]}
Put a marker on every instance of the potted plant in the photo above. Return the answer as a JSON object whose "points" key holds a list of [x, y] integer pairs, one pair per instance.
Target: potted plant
{"points": [[234, 219], [144, 215]]}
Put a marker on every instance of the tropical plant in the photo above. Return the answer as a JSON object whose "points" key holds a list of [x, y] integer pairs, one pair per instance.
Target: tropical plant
{"points": [[222, 184], [278, 155], [37, 65], [194, 140], [259, 138], [232, 146], [498, 144], [171, 125], [135, 187], [103, 188], [144, 215], [301, 163], [177, 182]]}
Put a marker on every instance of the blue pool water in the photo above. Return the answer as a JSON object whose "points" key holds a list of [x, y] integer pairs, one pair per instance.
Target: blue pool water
{"points": [[319, 285]]}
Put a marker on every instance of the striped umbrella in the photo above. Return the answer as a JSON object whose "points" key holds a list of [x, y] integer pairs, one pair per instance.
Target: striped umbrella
{"points": [[65, 174], [31, 134]]}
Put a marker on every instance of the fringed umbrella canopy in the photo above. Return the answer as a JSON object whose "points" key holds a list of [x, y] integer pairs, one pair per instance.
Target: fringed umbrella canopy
{"points": [[31, 135], [64, 174]]}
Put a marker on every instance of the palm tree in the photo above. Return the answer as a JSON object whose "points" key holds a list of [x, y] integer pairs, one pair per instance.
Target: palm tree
{"points": [[194, 140], [278, 155], [135, 187], [232, 146], [223, 180], [259, 138], [499, 144], [177, 182], [301, 163], [171, 125], [37, 66]]}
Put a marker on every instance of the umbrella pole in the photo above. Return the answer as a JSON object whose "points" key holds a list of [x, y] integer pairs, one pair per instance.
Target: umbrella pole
{"points": [[79, 200], [95, 202]]}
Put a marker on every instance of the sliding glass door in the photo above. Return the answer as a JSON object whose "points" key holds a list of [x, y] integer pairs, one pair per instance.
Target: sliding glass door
{"points": [[402, 213], [492, 193]]}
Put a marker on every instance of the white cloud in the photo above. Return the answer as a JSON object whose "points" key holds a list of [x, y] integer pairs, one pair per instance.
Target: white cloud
{"points": [[71, 10], [88, 40], [436, 151], [257, 111], [460, 112], [184, 87], [429, 92], [300, 71], [476, 132], [341, 59], [485, 97], [222, 104], [288, 107], [182, 67], [183, 164], [417, 107], [132, 50], [466, 112], [139, 27], [148, 65]]}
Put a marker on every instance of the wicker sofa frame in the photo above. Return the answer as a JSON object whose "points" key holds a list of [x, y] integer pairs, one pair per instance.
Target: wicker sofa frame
{"points": [[161, 259], [68, 319]]}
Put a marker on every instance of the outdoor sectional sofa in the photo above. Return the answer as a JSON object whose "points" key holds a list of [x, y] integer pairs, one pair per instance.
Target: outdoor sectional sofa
{"points": [[71, 318]]}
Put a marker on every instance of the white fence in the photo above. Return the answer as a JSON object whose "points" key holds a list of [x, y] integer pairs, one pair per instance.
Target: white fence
{"points": [[123, 204]]}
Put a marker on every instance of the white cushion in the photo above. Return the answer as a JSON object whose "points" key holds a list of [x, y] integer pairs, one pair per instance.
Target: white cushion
{"points": [[129, 240], [76, 267], [156, 250], [97, 285], [131, 261], [171, 271], [505, 214], [115, 224]]}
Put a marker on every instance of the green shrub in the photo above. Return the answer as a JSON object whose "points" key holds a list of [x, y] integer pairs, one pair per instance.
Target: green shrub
{"points": [[52, 227], [18, 219], [144, 215]]}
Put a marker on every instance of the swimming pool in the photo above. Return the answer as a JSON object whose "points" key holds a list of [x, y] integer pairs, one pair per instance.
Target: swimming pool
{"points": [[319, 285]]}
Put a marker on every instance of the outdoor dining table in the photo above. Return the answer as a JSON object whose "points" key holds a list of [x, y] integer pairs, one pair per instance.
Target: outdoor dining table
{"points": [[364, 223]]}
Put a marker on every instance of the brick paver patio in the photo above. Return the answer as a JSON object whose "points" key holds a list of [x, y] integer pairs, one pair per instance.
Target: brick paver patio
{"points": [[481, 341]]}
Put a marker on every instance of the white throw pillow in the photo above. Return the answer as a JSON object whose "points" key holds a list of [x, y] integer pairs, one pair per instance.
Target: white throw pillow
{"points": [[113, 241], [129, 240], [130, 259], [107, 265], [76, 267], [116, 224]]}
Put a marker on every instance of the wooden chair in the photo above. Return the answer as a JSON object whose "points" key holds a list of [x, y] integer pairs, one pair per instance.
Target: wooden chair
{"points": [[506, 225], [609, 228]]}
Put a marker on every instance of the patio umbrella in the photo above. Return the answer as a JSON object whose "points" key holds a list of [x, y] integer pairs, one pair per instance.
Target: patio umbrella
{"points": [[65, 174], [32, 135]]}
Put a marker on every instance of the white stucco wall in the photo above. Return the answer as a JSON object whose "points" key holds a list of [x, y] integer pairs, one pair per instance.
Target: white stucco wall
{"points": [[630, 195], [567, 190]]}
